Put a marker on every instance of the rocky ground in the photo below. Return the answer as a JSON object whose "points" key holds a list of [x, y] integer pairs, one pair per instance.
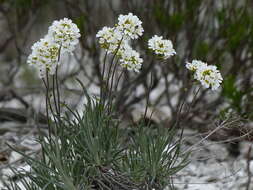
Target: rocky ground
{"points": [[211, 167], [214, 168]]}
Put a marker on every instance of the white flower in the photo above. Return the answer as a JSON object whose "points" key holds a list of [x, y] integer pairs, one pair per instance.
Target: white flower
{"points": [[65, 33], [62, 37], [130, 25], [194, 65], [131, 60], [116, 40], [208, 75], [163, 48], [123, 48], [110, 39], [44, 56]]}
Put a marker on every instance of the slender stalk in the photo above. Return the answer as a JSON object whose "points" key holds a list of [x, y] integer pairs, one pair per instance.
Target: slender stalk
{"points": [[54, 95], [49, 102], [179, 113], [102, 82], [47, 111], [117, 82], [187, 112], [148, 94], [111, 86], [57, 86], [111, 64], [104, 63], [58, 93], [109, 71], [113, 74]]}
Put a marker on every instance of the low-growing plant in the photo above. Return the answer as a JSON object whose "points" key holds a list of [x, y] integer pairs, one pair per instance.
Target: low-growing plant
{"points": [[154, 156], [88, 150]]}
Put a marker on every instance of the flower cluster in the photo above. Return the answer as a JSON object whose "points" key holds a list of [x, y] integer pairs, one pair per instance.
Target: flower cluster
{"points": [[62, 37], [110, 39], [195, 64], [116, 40], [130, 25], [163, 48], [44, 56], [208, 75], [131, 60]]}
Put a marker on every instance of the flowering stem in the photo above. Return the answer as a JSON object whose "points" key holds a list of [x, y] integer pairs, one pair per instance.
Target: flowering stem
{"points": [[148, 93], [110, 67], [55, 102], [187, 112], [193, 100], [113, 73], [49, 102], [57, 84], [48, 121], [102, 91], [112, 80], [117, 82], [108, 74], [58, 93], [104, 62], [50, 105]]}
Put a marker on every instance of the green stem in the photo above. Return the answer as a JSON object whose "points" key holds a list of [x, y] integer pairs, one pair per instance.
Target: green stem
{"points": [[102, 91], [148, 94], [49, 102], [187, 112], [111, 64], [112, 81], [54, 96], [58, 92], [47, 109], [57, 85], [117, 82]]}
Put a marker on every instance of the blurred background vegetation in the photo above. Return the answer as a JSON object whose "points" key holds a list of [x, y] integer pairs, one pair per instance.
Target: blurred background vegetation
{"points": [[219, 32]]}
